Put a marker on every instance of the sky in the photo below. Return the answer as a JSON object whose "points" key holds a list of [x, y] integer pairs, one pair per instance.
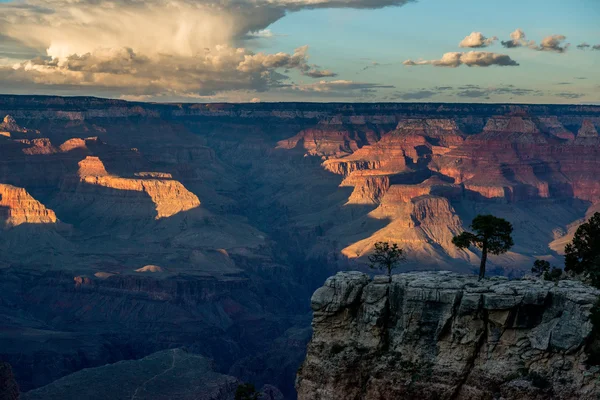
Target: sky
{"points": [[527, 51]]}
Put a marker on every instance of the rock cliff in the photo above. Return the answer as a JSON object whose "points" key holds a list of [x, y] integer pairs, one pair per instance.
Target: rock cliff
{"points": [[18, 207], [440, 335]]}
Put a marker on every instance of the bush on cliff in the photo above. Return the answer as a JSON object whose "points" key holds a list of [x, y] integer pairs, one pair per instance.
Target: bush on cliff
{"points": [[542, 268]]}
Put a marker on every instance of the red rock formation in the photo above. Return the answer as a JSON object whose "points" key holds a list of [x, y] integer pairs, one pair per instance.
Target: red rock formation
{"points": [[91, 166], [9, 126], [368, 188], [588, 130], [38, 146], [330, 140], [18, 207], [419, 225], [168, 196]]}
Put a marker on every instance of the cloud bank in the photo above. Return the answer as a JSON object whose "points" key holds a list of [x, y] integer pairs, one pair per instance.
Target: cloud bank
{"points": [[470, 59], [153, 47]]}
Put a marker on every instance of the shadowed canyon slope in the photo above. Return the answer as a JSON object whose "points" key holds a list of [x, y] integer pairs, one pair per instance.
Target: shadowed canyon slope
{"points": [[131, 228]]}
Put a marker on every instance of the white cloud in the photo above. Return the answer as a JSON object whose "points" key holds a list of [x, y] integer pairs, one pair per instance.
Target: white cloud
{"points": [[224, 68], [470, 59], [477, 40], [549, 43], [554, 43], [518, 39], [153, 46]]}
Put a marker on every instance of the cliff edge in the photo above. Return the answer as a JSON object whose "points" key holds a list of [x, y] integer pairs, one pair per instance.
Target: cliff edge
{"points": [[440, 335]]}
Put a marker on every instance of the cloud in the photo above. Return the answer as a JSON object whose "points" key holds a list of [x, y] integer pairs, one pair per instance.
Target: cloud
{"points": [[133, 47], [470, 59], [569, 95], [475, 91], [549, 43], [583, 46], [261, 34], [477, 40], [315, 73], [517, 39], [554, 43], [340, 88], [416, 95], [126, 72], [373, 64]]}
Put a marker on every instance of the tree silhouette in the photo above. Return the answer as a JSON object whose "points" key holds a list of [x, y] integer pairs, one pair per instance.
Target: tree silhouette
{"points": [[387, 257], [540, 267], [582, 255], [492, 235]]}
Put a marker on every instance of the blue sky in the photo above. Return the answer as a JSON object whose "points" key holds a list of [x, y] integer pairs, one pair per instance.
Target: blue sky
{"points": [[354, 54]]}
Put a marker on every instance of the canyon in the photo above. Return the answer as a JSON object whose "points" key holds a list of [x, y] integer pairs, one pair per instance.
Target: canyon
{"points": [[131, 229]]}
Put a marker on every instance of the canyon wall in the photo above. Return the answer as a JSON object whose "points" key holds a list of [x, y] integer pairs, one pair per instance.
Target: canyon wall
{"points": [[441, 335]]}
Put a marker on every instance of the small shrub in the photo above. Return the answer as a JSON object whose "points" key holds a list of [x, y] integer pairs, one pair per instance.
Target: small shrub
{"points": [[553, 275], [540, 267]]}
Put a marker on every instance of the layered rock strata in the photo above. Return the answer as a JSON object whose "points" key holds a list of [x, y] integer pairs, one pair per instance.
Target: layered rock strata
{"points": [[440, 335], [19, 207]]}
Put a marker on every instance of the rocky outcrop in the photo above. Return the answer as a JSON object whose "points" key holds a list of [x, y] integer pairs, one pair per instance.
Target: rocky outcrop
{"points": [[9, 390], [328, 140], [423, 226], [440, 335], [94, 185], [91, 166], [587, 134], [10, 125], [18, 207], [587, 130]]}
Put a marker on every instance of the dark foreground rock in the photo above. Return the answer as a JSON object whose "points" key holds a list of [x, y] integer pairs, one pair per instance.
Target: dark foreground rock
{"points": [[9, 390], [440, 335]]}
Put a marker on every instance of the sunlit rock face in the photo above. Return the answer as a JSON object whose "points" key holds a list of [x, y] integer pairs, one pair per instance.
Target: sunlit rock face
{"points": [[440, 335], [169, 196], [19, 207]]}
